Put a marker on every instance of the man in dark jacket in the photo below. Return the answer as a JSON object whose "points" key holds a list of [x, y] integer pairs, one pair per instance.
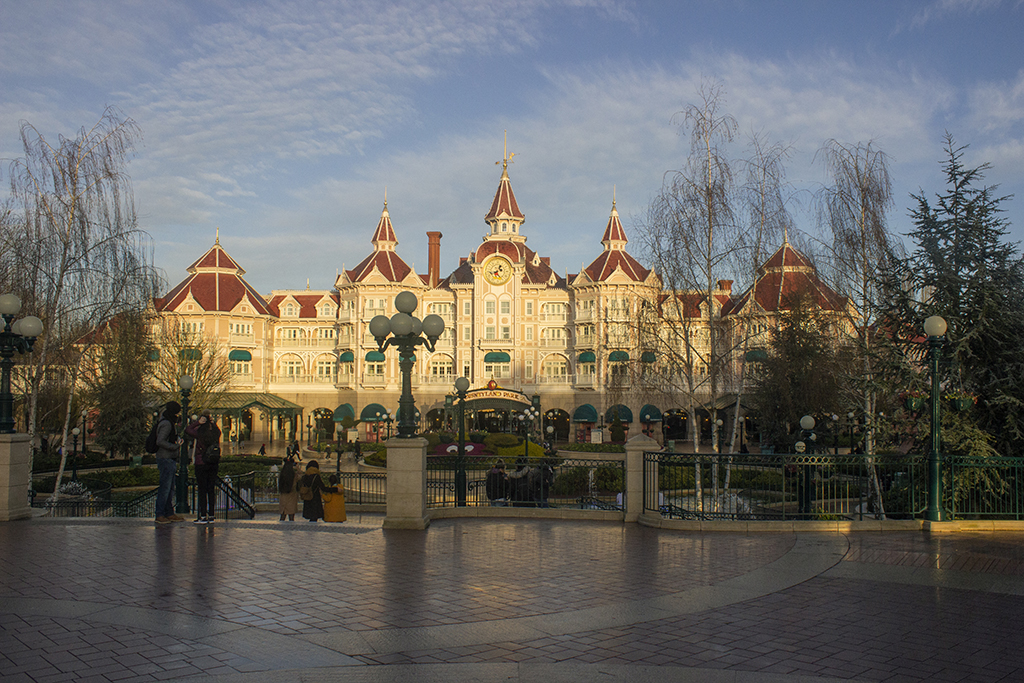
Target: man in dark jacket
{"points": [[167, 452], [496, 485]]}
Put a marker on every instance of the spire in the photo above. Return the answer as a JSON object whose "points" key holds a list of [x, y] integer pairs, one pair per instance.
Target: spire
{"points": [[384, 236], [614, 235], [505, 219]]}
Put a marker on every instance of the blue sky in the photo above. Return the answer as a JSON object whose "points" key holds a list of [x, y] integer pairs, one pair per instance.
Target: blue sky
{"points": [[282, 123]]}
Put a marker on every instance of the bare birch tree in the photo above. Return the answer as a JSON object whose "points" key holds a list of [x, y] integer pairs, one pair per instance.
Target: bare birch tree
{"points": [[81, 254]]}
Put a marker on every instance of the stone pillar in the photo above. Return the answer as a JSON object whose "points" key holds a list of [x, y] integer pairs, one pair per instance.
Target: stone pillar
{"points": [[407, 484], [635, 448], [15, 451]]}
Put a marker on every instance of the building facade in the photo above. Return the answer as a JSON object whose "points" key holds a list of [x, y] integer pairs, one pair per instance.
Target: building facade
{"points": [[578, 346]]}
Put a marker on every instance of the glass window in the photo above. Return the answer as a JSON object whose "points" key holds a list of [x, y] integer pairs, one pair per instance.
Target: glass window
{"points": [[467, 308], [489, 332], [506, 332], [529, 308], [489, 307], [529, 333], [506, 307]]}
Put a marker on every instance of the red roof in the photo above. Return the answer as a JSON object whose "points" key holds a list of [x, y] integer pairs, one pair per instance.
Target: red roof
{"points": [[385, 232], [513, 250], [504, 200], [611, 259], [614, 231], [390, 265], [307, 303], [215, 282], [786, 278]]}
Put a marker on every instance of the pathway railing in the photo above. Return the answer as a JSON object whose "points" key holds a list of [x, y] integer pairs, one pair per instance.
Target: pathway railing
{"points": [[827, 487], [360, 487], [556, 482]]}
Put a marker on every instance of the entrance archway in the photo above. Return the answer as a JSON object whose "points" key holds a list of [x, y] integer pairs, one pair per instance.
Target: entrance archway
{"points": [[559, 419]]}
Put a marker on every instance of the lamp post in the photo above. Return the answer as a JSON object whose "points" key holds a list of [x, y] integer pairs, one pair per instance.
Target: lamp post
{"points": [[405, 333], [17, 336], [461, 387], [835, 434], [309, 432], [849, 416], [935, 328], [185, 383], [74, 453], [718, 434], [85, 416], [526, 419], [804, 494]]}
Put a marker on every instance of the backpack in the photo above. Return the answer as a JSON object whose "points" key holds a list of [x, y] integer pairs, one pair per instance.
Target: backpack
{"points": [[305, 492], [151, 446], [211, 456]]}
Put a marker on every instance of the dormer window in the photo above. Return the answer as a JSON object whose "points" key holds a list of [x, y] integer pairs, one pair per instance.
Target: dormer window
{"points": [[289, 310], [504, 227]]}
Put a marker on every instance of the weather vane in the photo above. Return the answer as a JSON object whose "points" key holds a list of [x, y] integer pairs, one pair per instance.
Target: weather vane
{"points": [[507, 158]]}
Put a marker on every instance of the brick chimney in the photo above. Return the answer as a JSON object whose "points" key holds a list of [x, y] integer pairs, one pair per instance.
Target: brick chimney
{"points": [[433, 258], [725, 285]]}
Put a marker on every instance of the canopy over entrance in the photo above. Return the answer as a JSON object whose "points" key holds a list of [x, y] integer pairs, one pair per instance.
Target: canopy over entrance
{"points": [[585, 413], [235, 404]]}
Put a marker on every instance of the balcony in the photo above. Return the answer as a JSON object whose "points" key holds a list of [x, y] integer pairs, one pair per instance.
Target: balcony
{"points": [[291, 379], [446, 380], [496, 344], [586, 380], [586, 341], [584, 315], [554, 343], [553, 379], [326, 344], [241, 339], [554, 317], [374, 381]]}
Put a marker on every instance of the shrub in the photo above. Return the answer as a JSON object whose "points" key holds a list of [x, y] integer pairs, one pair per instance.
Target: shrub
{"points": [[477, 437], [499, 440], [512, 453], [616, 430], [378, 458]]}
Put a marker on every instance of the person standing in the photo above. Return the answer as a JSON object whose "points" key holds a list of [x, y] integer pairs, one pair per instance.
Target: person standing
{"points": [[311, 489], [334, 500], [167, 451], [287, 489], [206, 459], [496, 485]]}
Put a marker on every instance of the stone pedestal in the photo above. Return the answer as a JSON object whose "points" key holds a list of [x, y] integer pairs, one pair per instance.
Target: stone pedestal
{"points": [[407, 484], [635, 448], [15, 451]]}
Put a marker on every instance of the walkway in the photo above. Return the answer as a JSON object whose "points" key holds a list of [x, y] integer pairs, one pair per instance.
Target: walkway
{"points": [[502, 600]]}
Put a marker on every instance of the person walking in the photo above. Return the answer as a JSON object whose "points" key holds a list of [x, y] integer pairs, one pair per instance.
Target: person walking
{"points": [[311, 488], [287, 489], [167, 446], [263, 449], [206, 460]]}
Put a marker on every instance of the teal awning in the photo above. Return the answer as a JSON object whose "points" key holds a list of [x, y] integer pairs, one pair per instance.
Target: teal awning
{"points": [[587, 357], [585, 413], [624, 413], [240, 354], [186, 355], [375, 357], [497, 357], [346, 357], [755, 356], [369, 413], [343, 411], [647, 357], [618, 357], [650, 413]]}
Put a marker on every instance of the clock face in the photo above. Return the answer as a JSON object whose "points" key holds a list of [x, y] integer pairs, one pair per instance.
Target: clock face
{"points": [[497, 271]]}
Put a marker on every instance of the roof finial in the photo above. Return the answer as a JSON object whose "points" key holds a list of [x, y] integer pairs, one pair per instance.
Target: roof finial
{"points": [[307, 284], [385, 196], [613, 195], [506, 158], [785, 234], [217, 241]]}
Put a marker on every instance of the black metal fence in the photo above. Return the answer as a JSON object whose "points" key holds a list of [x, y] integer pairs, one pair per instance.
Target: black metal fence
{"points": [[360, 487], [827, 487], [548, 482]]}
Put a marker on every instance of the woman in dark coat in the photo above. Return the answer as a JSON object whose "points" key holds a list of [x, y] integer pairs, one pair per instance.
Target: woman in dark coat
{"points": [[207, 438], [287, 489], [313, 509]]}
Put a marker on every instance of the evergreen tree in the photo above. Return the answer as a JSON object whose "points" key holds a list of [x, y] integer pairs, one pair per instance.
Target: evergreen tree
{"points": [[964, 269]]}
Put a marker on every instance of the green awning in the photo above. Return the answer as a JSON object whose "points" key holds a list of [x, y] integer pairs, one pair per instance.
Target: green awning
{"points": [[497, 357], [343, 411], [585, 413], [624, 413], [187, 355], [346, 357], [755, 356], [240, 354], [650, 413], [587, 357], [618, 357], [375, 357], [647, 357], [369, 413]]}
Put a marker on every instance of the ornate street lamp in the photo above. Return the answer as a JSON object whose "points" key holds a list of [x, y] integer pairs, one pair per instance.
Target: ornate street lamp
{"points": [[461, 387], [74, 453], [718, 434], [185, 383], [935, 328], [405, 330], [19, 336], [85, 416], [804, 496], [526, 419]]}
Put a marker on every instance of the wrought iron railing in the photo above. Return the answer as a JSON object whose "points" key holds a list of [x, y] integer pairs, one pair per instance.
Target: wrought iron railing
{"points": [[783, 486], [360, 487], [828, 487], [549, 482], [143, 505]]}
